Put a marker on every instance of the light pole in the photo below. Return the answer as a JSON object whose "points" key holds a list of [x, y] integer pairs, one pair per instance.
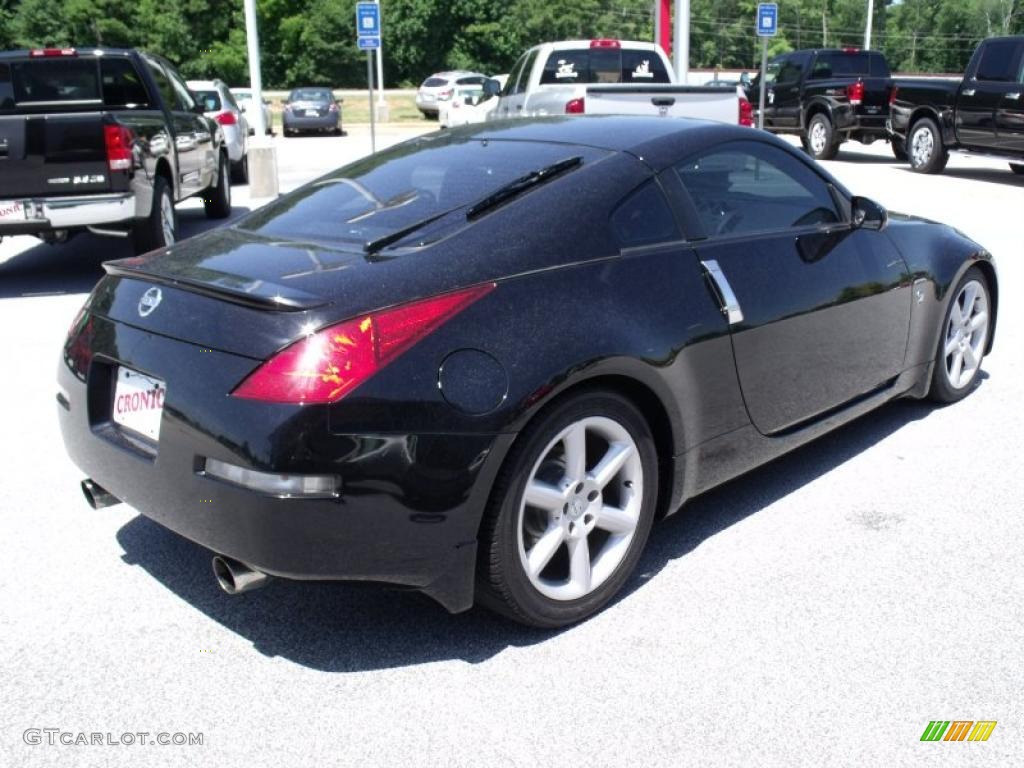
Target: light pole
{"points": [[261, 156], [682, 43], [867, 29]]}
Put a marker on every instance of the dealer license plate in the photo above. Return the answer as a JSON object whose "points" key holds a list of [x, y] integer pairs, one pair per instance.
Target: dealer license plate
{"points": [[11, 210], [312, 113], [139, 402]]}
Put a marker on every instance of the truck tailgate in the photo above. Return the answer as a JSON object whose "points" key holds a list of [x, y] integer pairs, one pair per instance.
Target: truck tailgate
{"points": [[718, 103], [52, 154]]}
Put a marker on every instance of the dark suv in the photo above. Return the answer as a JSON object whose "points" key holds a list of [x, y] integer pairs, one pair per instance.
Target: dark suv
{"points": [[827, 97]]}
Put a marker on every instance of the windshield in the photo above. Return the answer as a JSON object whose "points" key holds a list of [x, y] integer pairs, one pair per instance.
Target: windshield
{"points": [[309, 94], [402, 186]]}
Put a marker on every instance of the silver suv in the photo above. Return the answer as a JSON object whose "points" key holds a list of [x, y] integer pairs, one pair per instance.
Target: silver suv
{"points": [[439, 88]]}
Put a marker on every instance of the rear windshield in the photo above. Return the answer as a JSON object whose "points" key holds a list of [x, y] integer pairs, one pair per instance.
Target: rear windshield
{"points": [[209, 99], [603, 65], [38, 84], [309, 94], [849, 64], [434, 82], [401, 186]]}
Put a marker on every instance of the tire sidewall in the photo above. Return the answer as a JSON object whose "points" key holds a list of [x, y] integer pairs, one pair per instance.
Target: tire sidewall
{"points": [[934, 162], [536, 608], [942, 391], [829, 150]]}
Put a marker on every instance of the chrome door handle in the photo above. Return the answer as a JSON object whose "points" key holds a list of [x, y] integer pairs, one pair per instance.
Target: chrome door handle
{"points": [[731, 309], [968, 92]]}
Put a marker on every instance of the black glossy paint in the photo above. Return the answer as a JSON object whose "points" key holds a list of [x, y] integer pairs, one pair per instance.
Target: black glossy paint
{"points": [[838, 320]]}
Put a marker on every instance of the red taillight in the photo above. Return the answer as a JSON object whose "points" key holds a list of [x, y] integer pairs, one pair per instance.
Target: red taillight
{"points": [[445, 94], [53, 52], [575, 107], [327, 365], [605, 43], [855, 93], [746, 112], [226, 118], [78, 348], [893, 95], [851, 50], [119, 147], [333, 107]]}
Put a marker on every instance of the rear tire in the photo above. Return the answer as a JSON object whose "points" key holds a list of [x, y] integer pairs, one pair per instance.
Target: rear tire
{"points": [[820, 140], [925, 149], [899, 150], [1018, 169], [240, 170], [966, 326], [558, 554], [160, 228], [217, 200]]}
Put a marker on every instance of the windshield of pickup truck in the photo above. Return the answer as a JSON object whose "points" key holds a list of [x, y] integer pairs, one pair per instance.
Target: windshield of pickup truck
{"points": [[66, 83], [603, 65]]}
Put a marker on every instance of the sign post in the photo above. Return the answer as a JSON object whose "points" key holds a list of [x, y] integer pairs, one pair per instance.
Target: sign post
{"points": [[767, 26], [368, 32]]}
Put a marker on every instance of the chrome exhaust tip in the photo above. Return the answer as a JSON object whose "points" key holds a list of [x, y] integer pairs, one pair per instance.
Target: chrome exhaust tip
{"points": [[235, 577], [97, 496]]}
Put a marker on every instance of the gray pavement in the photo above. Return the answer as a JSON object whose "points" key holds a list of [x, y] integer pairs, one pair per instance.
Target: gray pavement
{"points": [[819, 611]]}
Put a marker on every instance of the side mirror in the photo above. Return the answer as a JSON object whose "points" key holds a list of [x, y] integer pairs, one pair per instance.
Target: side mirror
{"points": [[491, 88], [867, 214]]}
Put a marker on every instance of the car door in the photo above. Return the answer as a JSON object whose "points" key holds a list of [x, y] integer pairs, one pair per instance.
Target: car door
{"points": [[182, 128], [819, 310], [784, 94], [202, 127], [994, 77], [1010, 110], [504, 109]]}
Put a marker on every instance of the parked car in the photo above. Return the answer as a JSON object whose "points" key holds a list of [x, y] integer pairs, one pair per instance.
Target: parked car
{"points": [[244, 98], [827, 97], [470, 104], [439, 88], [105, 140], [311, 109], [982, 113], [219, 104], [609, 77], [504, 425]]}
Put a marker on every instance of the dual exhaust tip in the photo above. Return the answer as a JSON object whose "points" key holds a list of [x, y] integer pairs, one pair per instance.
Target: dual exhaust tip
{"points": [[232, 576]]}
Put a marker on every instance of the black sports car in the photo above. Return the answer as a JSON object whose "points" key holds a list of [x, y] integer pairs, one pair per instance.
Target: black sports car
{"points": [[482, 362]]}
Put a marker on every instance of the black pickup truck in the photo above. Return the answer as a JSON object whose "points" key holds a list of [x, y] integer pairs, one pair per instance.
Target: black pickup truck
{"points": [[826, 97], [983, 113], [106, 140]]}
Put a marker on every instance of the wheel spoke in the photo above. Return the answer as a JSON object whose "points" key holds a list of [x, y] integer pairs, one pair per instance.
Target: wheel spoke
{"points": [[970, 294], [978, 321], [610, 464], [576, 452], [954, 371], [970, 359], [579, 564], [952, 345], [543, 496], [542, 552], [615, 520], [955, 315]]}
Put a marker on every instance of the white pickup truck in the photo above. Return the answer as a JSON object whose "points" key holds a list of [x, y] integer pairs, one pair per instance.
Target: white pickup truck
{"points": [[609, 77]]}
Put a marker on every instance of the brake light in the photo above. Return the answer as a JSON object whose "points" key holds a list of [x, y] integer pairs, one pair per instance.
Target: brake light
{"points": [[855, 93], [851, 50], [746, 112], [226, 118], [445, 94], [53, 52], [893, 94], [605, 42], [333, 107], [575, 107], [327, 365], [119, 142]]}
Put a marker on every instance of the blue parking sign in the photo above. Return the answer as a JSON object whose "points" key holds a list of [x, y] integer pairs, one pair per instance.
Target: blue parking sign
{"points": [[367, 20], [767, 19]]}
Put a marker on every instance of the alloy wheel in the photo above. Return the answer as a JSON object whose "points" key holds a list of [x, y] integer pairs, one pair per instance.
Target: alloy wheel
{"points": [[818, 138], [966, 334], [922, 147]]}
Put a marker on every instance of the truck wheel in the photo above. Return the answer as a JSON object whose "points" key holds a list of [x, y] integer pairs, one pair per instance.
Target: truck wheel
{"points": [[899, 150], [821, 140], [1018, 169], [240, 170], [926, 151], [160, 228], [217, 200]]}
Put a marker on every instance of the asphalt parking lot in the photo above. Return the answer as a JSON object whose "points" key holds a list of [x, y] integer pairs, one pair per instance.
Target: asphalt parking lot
{"points": [[819, 611]]}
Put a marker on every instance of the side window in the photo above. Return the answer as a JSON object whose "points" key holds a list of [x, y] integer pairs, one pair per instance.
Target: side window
{"points": [[187, 103], [747, 186], [566, 68], [513, 76], [644, 218], [163, 84], [6, 88], [1000, 62], [122, 85], [524, 76], [822, 68], [643, 67], [789, 73]]}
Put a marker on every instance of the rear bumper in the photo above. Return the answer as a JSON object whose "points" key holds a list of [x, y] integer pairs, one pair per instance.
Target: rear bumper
{"points": [[68, 212], [324, 122], [407, 512]]}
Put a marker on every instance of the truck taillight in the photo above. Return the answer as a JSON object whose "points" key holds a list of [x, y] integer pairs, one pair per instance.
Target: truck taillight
{"points": [[894, 93], [226, 118], [327, 365], [53, 52], [575, 107], [119, 142], [855, 93], [605, 42], [746, 112]]}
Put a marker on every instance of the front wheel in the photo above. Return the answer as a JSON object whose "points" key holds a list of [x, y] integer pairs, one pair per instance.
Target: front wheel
{"points": [[899, 150], [217, 199], [570, 511], [821, 141], [240, 170], [926, 151], [965, 331], [160, 228]]}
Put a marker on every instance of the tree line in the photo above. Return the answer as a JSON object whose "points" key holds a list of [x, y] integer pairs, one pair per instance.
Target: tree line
{"points": [[313, 41]]}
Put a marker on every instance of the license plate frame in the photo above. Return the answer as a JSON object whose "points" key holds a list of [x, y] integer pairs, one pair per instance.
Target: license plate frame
{"points": [[138, 403]]}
